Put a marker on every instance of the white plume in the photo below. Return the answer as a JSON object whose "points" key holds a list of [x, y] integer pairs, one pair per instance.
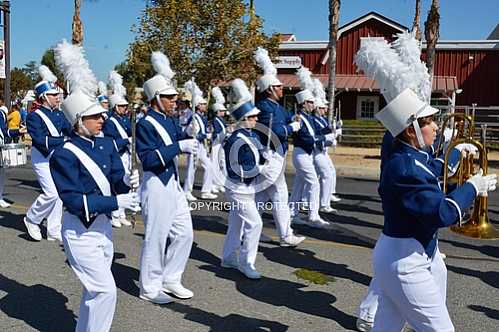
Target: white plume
{"points": [[72, 63], [407, 46], [240, 92], [216, 92], [116, 83], [263, 60], [319, 89], [102, 88], [380, 62], [161, 65], [305, 78], [195, 91], [46, 74]]}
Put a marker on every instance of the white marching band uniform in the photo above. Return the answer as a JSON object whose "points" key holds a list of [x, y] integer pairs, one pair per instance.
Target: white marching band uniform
{"points": [[4, 134], [47, 127], [160, 140]]}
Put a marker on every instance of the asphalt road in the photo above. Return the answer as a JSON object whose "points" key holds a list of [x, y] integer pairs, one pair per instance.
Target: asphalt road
{"points": [[38, 290]]}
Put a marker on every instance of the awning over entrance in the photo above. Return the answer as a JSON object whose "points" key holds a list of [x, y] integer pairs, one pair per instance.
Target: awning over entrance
{"points": [[441, 84]]}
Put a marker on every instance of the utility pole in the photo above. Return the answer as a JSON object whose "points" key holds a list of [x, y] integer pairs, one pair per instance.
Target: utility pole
{"points": [[5, 6]]}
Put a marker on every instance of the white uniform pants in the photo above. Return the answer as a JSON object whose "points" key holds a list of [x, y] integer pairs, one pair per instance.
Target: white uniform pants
{"points": [[277, 193], [206, 163], [369, 305], [412, 287], [305, 177], [125, 159], [327, 176], [3, 179], [218, 161], [245, 221], [90, 254], [47, 205], [166, 215]]}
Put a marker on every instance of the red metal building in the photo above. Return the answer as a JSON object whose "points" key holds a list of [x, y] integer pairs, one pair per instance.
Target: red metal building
{"points": [[469, 68]]}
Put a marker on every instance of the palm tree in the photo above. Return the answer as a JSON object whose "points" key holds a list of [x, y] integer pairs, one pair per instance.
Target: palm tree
{"points": [[417, 18], [432, 27], [77, 38], [334, 16]]}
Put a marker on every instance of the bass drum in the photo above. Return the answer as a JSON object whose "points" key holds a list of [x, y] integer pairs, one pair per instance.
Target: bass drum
{"points": [[13, 155]]}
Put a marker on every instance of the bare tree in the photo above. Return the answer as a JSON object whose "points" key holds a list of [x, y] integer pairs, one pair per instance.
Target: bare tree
{"points": [[417, 17], [77, 38], [334, 16], [431, 27]]}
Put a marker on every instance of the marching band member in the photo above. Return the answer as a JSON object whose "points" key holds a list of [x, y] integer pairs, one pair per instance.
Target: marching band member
{"points": [[118, 127], [4, 134], [160, 140], [90, 179], [218, 136], [273, 115], [304, 141], [243, 151], [102, 97], [200, 120], [323, 163], [409, 273], [47, 127]]}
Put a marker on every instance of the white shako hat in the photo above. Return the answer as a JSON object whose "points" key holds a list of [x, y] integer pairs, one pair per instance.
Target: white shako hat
{"points": [[119, 91], [243, 102], [219, 104], [269, 77], [161, 83], [303, 96]]}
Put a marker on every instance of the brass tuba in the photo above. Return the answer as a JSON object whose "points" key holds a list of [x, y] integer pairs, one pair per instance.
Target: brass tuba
{"points": [[475, 225]]}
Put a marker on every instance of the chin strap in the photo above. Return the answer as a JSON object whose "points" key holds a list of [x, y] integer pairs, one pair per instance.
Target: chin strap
{"points": [[272, 91], [86, 132], [52, 107], [160, 105], [419, 135]]}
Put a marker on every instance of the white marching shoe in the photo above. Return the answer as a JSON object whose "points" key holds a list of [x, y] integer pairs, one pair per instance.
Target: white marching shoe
{"points": [[364, 325], [328, 209], [335, 198], [160, 298], [208, 196], [178, 290], [4, 204], [231, 262], [33, 229], [318, 223], [190, 197], [116, 222], [125, 222], [291, 241], [250, 272], [55, 237]]}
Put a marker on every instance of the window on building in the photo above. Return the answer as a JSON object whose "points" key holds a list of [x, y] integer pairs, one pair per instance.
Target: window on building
{"points": [[367, 106]]}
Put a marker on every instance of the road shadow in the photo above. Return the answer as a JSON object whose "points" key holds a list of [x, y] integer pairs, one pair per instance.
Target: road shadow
{"points": [[33, 184], [214, 224], [125, 277], [356, 208], [492, 251], [361, 198], [278, 292], [232, 322], [41, 307], [12, 220], [488, 277], [491, 313]]}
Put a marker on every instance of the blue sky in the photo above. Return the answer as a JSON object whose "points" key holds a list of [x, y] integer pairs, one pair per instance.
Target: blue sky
{"points": [[37, 25]]}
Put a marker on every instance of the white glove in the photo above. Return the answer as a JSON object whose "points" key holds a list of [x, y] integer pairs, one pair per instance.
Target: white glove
{"points": [[339, 132], [483, 183], [295, 126], [467, 147], [192, 129], [129, 201], [129, 140], [208, 135], [188, 145], [329, 137], [272, 169], [132, 180], [447, 134]]}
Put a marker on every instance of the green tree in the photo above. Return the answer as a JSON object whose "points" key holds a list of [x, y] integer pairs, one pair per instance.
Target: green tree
{"points": [[31, 70], [20, 83], [207, 39]]}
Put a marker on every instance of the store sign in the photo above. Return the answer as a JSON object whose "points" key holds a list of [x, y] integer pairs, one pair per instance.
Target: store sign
{"points": [[288, 62], [2, 59]]}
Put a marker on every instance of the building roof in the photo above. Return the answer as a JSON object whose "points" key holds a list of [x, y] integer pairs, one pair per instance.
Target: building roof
{"points": [[367, 17], [494, 34], [441, 84], [285, 37]]}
